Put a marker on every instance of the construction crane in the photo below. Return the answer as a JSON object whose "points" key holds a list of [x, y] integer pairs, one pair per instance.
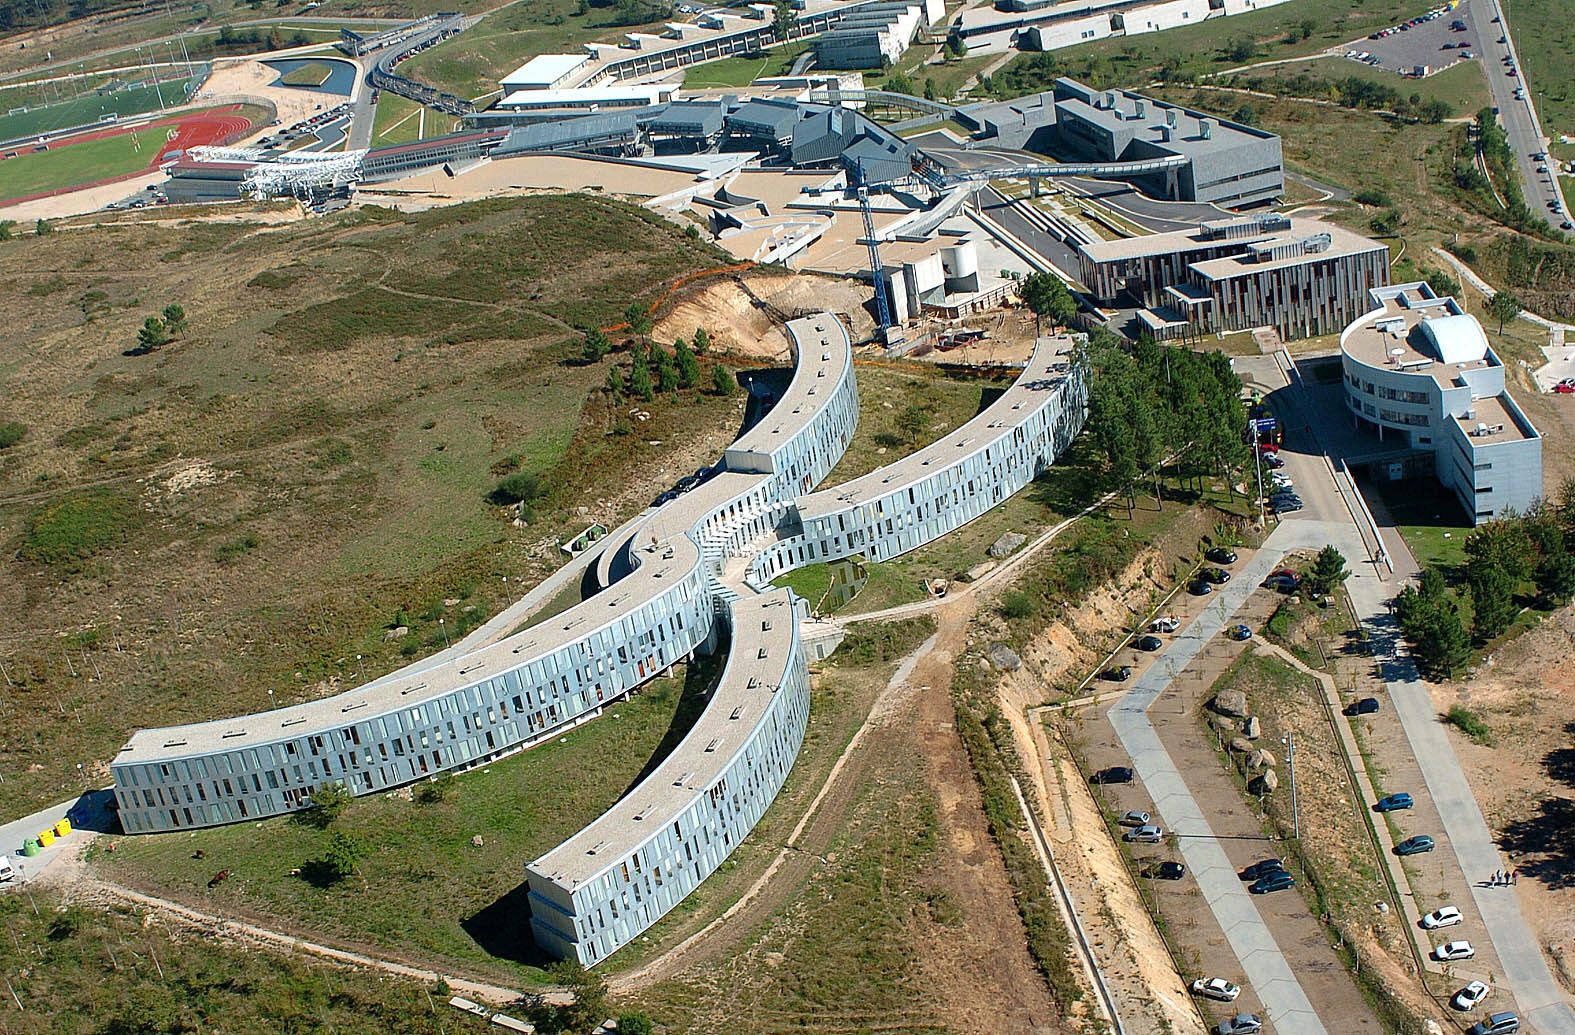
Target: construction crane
{"points": [[882, 302]]}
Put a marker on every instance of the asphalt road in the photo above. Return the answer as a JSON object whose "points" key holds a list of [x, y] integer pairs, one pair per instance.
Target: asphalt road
{"points": [[1518, 117]]}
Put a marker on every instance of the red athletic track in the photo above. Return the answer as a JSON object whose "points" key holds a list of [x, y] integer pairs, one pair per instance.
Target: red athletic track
{"points": [[212, 127]]}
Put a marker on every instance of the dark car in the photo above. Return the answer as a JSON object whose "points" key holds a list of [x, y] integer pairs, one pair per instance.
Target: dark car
{"points": [[1217, 576], [1149, 643], [1199, 588], [1366, 706], [1273, 462], [1287, 506], [1393, 802], [1414, 845], [1117, 673], [1262, 868], [1239, 633], [1113, 774], [1270, 883], [1220, 555], [1165, 871], [1505, 1023]]}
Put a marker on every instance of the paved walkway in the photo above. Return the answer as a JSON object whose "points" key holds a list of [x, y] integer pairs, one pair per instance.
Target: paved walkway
{"points": [[1262, 961], [1541, 1002]]}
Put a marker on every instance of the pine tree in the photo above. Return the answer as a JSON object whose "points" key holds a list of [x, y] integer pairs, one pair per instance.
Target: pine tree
{"points": [[702, 343], [152, 335], [615, 383], [688, 366], [722, 382], [666, 368], [596, 345], [640, 378]]}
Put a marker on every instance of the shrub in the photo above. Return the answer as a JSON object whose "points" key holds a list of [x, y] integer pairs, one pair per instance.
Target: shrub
{"points": [[11, 433], [233, 550], [521, 487], [1017, 605], [75, 529], [1470, 723], [328, 803], [1374, 197]]}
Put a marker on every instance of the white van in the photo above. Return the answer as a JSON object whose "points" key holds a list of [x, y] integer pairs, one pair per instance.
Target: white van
{"points": [[6, 872]]}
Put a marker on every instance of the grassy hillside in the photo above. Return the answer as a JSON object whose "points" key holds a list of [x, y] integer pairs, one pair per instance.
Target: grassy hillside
{"points": [[247, 509]]}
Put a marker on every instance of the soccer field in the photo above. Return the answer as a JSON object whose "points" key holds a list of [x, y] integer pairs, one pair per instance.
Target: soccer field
{"points": [[87, 162], [90, 109]]}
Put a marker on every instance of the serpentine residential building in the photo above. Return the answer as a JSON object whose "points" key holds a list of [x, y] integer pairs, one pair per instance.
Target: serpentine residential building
{"points": [[676, 580]]}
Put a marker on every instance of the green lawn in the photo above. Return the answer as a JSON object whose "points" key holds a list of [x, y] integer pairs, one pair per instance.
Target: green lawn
{"points": [[471, 63], [424, 887], [1461, 86], [86, 110], [87, 162], [1203, 48], [741, 71], [314, 74], [1545, 39], [1430, 521], [397, 120]]}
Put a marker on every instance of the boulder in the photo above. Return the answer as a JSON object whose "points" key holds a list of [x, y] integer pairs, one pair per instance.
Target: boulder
{"points": [[1252, 729], [1003, 658], [1223, 724], [1241, 745], [1260, 759], [1006, 545], [1267, 782], [1232, 703], [396, 633]]}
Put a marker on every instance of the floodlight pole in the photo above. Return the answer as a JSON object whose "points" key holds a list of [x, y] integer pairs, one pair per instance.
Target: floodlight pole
{"points": [[1290, 762]]}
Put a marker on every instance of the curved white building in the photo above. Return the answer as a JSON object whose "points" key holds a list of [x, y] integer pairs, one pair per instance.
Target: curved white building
{"points": [[462, 708], [673, 578], [1420, 375]]}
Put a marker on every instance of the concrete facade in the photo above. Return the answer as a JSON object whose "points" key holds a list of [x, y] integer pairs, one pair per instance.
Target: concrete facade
{"points": [[1418, 371], [1299, 276]]}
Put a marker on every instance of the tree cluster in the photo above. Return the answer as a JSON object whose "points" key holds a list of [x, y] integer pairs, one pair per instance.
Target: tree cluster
{"points": [[1511, 562], [653, 369], [1156, 405], [1350, 92], [158, 331], [1047, 295]]}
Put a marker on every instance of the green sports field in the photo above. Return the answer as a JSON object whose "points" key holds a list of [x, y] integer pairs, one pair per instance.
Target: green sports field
{"points": [[89, 162], [86, 110]]}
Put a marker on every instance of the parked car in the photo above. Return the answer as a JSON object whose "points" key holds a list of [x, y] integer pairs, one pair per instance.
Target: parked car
{"points": [[1271, 883], [1117, 673], [1262, 868], [1148, 833], [1471, 996], [1165, 871], [1287, 507], [1241, 1024], [1366, 706], [1273, 462], [1415, 845], [1216, 576], [1393, 802], [1443, 916], [1165, 624], [1134, 818], [1461, 950], [1149, 643], [1564, 388], [1239, 633], [1216, 988], [1113, 774], [1220, 555], [1199, 588], [1504, 1023]]}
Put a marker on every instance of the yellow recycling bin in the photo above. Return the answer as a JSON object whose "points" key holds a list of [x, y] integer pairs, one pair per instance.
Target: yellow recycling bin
{"points": [[63, 828], [46, 838]]}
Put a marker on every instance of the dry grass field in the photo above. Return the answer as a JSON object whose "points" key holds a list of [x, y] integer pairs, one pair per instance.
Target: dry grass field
{"points": [[250, 507]]}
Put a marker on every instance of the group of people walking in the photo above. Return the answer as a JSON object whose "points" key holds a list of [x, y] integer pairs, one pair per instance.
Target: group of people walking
{"points": [[1503, 878]]}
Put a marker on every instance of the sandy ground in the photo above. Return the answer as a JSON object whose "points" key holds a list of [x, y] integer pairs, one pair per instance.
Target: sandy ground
{"points": [[527, 174], [1525, 780], [743, 328], [250, 77]]}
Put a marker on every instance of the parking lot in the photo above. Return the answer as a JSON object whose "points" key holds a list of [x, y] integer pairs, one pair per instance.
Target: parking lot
{"points": [[1433, 44]]}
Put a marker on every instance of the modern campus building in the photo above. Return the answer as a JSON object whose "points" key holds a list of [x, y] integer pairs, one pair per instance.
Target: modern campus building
{"points": [[544, 72], [1299, 276], [675, 580], [1419, 373], [875, 35]]}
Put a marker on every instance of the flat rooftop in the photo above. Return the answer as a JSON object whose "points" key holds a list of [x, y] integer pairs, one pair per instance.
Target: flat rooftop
{"points": [[823, 353], [543, 70], [758, 659], [1392, 337], [1046, 369], [1502, 423], [1342, 242]]}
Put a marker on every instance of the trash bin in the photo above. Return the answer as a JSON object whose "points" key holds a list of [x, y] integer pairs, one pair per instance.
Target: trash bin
{"points": [[63, 828], [30, 847], [46, 838]]}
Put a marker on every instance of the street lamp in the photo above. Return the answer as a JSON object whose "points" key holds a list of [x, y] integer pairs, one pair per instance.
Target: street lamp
{"points": [[1289, 740], [444, 627]]}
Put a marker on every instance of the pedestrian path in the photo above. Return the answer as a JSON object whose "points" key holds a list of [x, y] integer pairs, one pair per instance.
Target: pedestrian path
{"points": [[1262, 961], [1541, 1003]]}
